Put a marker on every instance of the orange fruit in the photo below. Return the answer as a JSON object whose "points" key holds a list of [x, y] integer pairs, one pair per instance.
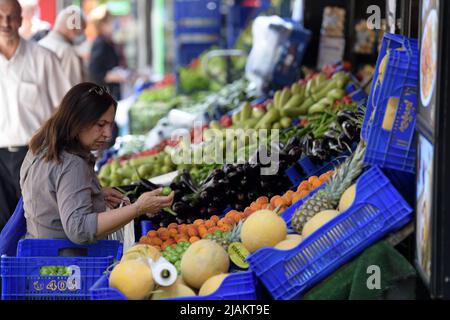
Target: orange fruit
{"points": [[210, 224], [255, 206], [287, 197], [262, 200], [183, 239], [164, 235], [276, 201], [229, 221], [215, 219], [304, 193], [237, 217], [173, 232], [193, 239], [198, 222], [156, 241], [303, 186], [152, 234], [192, 231], [172, 226], [225, 228]]}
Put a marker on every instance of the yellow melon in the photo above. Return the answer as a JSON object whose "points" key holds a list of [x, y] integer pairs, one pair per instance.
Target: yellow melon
{"points": [[203, 260], [318, 221], [347, 198], [263, 228], [294, 237], [178, 289], [141, 250], [287, 244], [133, 278], [212, 284]]}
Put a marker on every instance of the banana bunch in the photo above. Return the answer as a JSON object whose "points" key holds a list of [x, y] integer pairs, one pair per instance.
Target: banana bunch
{"points": [[314, 97]]}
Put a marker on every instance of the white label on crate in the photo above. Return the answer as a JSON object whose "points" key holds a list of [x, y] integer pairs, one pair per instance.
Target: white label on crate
{"points": [[374, 281], [74, 280]]}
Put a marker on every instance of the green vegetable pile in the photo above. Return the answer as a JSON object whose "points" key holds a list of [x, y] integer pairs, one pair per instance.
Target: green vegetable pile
{"points": [[174, 255], [55, 271]]}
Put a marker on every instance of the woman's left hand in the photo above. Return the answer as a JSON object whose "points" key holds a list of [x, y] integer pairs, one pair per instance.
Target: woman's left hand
{"points": [[114, 198]]}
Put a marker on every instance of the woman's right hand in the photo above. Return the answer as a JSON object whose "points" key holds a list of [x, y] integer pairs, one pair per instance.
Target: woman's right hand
{"points": [[151, 203]]}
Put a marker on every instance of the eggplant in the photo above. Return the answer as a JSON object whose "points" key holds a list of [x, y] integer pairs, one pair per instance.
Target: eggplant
{"points": [[306, 142], [349, 129], [295, 153], [345, 115], [228, 168], [150, 186], [318, 150]]}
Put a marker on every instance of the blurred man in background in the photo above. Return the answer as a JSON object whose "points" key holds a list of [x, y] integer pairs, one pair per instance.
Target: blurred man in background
{"points": [[32, 85], [33, 28], [69, 31]]}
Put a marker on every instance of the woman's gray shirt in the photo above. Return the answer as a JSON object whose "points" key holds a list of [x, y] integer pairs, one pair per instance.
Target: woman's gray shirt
{"points": [[61, 200]]}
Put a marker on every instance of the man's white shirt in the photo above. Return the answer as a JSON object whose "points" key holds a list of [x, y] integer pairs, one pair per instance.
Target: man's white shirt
{"points": [[32, 85], [71, 63]]}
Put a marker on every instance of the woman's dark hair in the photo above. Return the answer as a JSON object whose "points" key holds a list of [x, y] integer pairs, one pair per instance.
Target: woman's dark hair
{"points": [[80, 109]]}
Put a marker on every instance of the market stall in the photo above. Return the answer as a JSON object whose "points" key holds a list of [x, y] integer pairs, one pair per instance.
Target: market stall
{"points": [[290, 182]]}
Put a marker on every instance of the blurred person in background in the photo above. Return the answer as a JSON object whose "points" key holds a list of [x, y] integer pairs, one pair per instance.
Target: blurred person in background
{"points": [[69, 32], [33, 28], [32, 85], [104, 59]]}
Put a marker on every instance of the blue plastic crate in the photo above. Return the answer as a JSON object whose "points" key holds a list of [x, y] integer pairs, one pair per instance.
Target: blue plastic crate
{"points": [[21, 279], [377, 210], [237, 286], [390, 42], [396, 148]]}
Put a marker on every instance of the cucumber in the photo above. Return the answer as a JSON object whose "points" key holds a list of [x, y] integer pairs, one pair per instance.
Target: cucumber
{"points": [[277, 126], [251, 123], [306, 105], [317, 108], [285, 96], [276, 99], [296, 89], [258, 113], [273, 115], [236, 117], [336, 94], [295, 101], [292, 112], [246, 112], [285, 122]]}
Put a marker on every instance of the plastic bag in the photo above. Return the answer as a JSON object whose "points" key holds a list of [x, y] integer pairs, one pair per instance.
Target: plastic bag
{"points": [[268, 35]]}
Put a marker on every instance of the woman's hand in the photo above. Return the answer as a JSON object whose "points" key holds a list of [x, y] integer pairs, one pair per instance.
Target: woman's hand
{"points": [[114, 198], [150, 203]]}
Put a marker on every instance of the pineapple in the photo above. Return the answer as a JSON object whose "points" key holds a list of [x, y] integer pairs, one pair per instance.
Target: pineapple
{"points": [[328, 198], [229, 237]]}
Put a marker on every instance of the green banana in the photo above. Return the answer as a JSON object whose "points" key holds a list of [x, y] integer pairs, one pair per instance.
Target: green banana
{"points": [[236, 117]]}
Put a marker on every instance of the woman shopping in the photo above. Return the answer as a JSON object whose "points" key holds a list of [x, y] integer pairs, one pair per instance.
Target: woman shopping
{"points": [[62, 196]]}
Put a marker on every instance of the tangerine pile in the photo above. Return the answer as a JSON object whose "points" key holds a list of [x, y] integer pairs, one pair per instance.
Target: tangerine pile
{"points": [[175, 233]]}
